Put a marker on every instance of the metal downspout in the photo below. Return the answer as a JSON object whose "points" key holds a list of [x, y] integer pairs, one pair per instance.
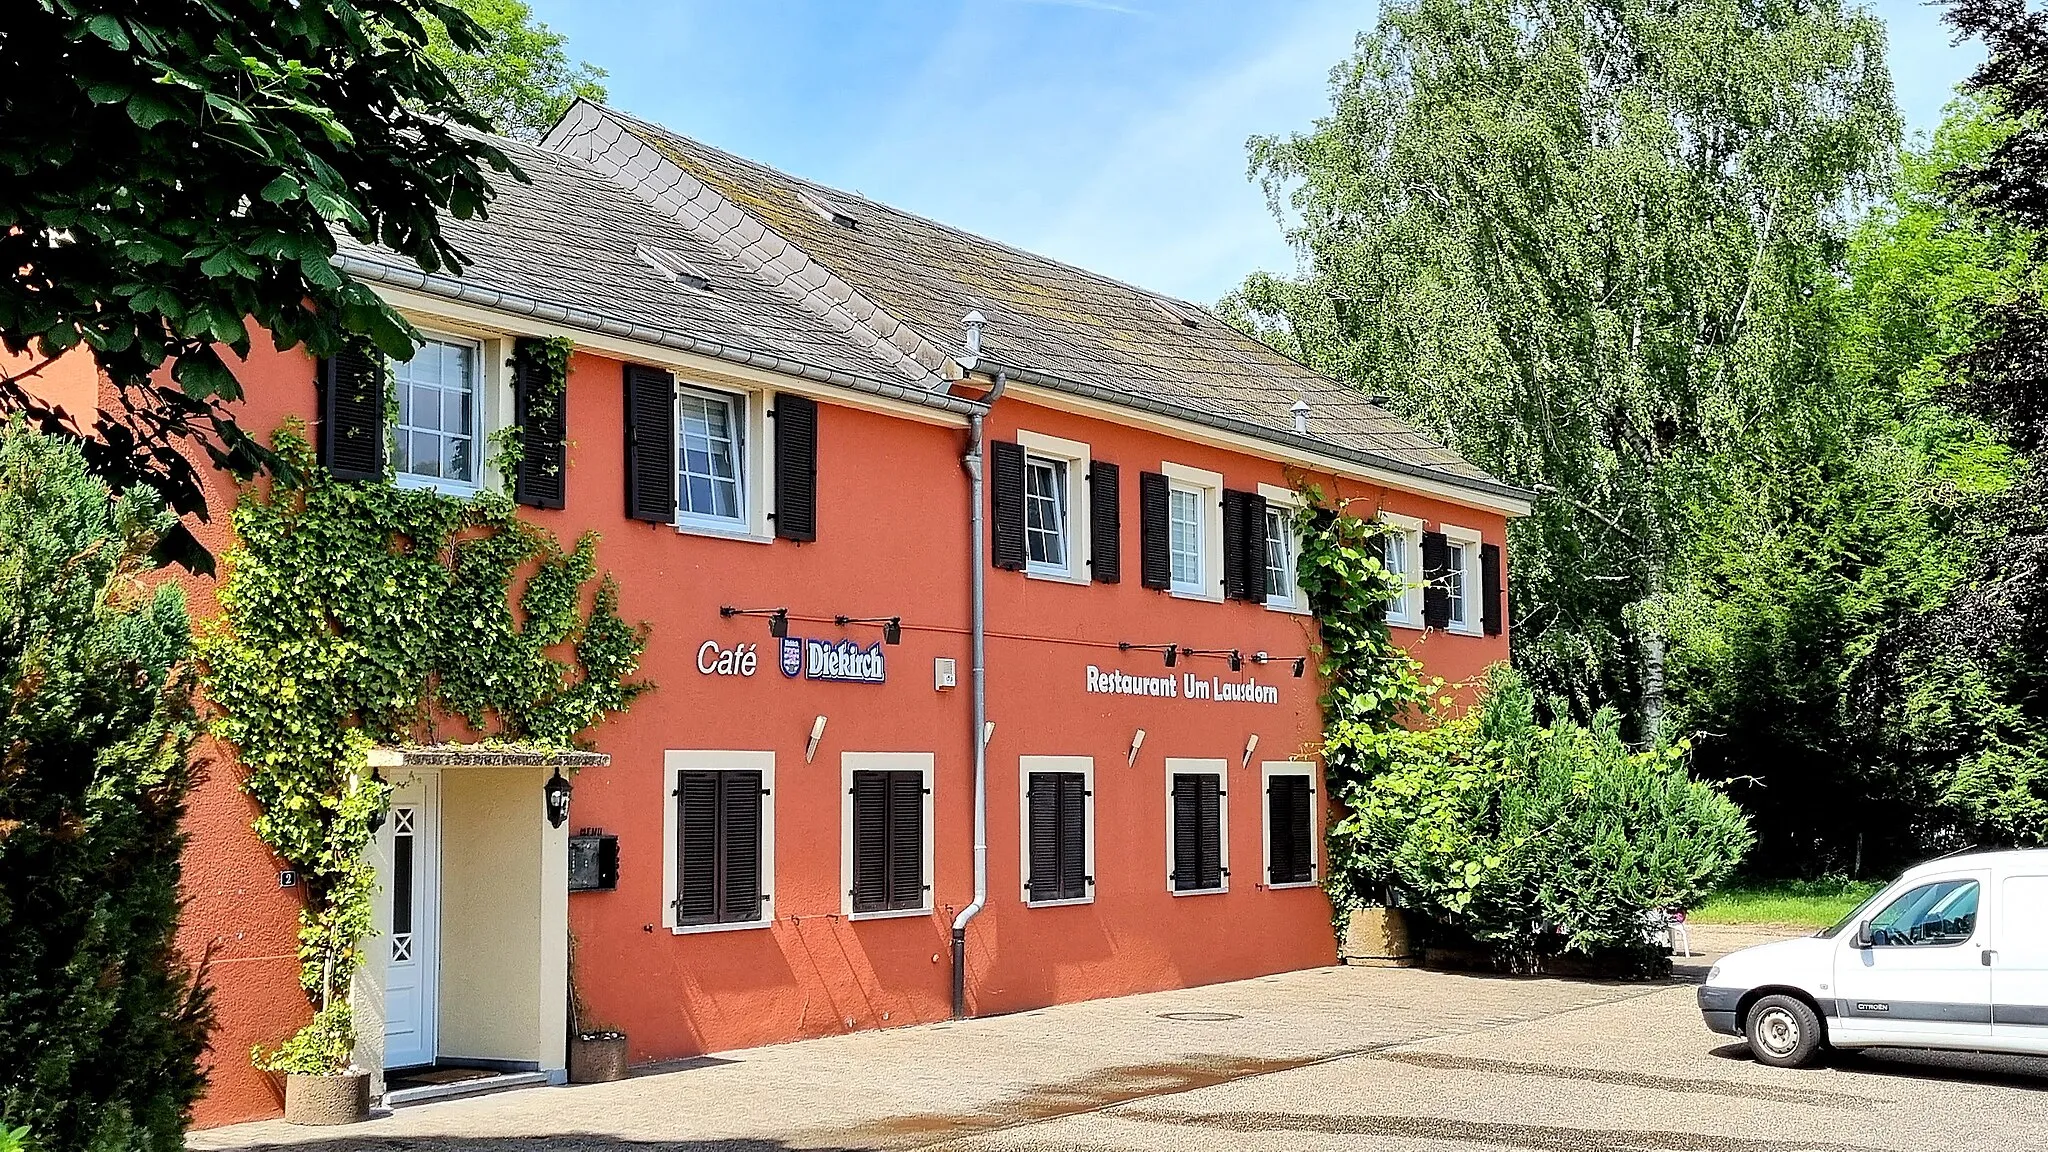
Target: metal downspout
{"points": [[979, 671]]}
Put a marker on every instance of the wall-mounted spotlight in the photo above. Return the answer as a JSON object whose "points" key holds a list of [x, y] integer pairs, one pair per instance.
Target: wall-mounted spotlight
{"points": [[1235, 657], [892, 626], [1249, 746], [1300, 662], [1172, 650], [988, 733], [817, 734], [1137, 742], [778, 618]]}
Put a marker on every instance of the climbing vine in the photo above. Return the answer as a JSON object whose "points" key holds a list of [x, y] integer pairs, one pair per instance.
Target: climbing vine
{"points": [[1372, 686], [362, 614], [543, 363]]}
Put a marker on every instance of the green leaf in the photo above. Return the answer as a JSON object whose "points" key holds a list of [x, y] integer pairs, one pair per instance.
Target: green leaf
{"points": [[108, 28], [286, 187]]}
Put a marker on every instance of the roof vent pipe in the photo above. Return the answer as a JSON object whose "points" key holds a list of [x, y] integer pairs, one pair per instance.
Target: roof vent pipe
{"points": [[1300, 411], [972, 323]]}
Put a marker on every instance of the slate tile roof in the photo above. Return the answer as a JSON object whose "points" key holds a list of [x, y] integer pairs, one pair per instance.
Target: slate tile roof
{"points": [[1051, 318], [575, 238]]}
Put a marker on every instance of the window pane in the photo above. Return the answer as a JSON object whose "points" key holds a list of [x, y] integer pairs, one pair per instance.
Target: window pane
{"points": [[1184, 537], [1944, 912], [1454, 583], [1045, 512], [437, 410], [1279, 557], [710, 461]]}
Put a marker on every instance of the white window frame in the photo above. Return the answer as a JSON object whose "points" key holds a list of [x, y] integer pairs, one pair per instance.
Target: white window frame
{"points": [[1287, 502], [750, 427], [1026, 765], [1076, 456], [1467, 541], [1208, 489], [675, 762], [491, 411], [851, 762], [1405, 610], [1181, 766], [1267, 770]]}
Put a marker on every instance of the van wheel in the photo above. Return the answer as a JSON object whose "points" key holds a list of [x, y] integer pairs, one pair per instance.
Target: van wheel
{"points": [[1783, 1031]]}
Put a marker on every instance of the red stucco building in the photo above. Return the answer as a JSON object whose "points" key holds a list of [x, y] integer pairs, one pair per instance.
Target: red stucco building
{"points": [[771, 407]]}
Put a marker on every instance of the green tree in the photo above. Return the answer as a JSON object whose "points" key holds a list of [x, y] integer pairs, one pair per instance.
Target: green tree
{"points": [[1820, 627], [101, 1023], [176, 169], [1591, 244], [520, 77]]}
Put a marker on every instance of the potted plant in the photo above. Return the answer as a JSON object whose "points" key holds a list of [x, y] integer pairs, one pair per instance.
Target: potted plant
{"points": [[597, 1053], [322, 1084]]}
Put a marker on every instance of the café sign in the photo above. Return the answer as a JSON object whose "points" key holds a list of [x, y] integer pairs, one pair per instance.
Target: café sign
{"points": [[843, 661]]}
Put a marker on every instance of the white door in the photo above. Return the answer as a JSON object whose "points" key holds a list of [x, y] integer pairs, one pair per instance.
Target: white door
{"points": [[412, 935], [1923, 979], [2019, 964]]}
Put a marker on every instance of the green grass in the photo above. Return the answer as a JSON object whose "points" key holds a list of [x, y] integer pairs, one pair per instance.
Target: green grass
{"points": [[1792, 903]]}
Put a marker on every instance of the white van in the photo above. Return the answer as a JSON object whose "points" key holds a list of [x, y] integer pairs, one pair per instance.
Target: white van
{"points": [[1953, 954]]}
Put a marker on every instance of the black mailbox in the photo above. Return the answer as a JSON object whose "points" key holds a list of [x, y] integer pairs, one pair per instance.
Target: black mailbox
{"points": [[593, 861]]}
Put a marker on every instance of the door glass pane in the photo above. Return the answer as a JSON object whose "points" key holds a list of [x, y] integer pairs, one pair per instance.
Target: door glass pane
{"points": [[404, 841], [1943, 912]]}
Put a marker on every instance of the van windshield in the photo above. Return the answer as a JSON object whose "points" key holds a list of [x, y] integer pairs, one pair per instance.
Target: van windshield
{"points": [[1854, 915]]}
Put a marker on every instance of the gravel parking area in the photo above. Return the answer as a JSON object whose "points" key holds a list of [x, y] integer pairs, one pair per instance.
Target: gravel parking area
{"points": [[1353, 1058]]}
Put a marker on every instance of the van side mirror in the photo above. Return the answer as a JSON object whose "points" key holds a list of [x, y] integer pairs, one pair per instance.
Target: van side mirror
{"points": [[1863, 934]]}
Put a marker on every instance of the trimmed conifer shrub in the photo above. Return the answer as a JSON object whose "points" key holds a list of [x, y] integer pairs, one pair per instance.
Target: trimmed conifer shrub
{"points": [[101, 1021]]}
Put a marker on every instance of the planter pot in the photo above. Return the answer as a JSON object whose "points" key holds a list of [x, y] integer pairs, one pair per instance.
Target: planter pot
{"points": [[343, 1099], [1378, 937], [597, 1059]]}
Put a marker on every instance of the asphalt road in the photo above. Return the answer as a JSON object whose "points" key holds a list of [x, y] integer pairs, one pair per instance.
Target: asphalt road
{"points": [[1350, 1058]]}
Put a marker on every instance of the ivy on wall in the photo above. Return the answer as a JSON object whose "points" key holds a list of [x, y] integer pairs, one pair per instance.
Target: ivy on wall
{"points": [[1372, 686], [361, 614], [543, 363]]}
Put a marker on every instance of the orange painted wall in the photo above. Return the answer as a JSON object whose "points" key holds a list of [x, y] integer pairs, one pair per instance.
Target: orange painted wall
{"points": [[892, 500]]}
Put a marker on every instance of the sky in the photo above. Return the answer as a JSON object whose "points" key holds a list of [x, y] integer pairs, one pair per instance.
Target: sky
{"points": [[1106, 133]]}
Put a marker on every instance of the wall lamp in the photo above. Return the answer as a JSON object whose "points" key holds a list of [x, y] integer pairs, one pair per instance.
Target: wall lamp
{"points": [[778, 618], [817, 734], [1172, 650], [1235, 657], [1300, 662], [1137, 742], [555, 798], [1250, 746], [892, 626]]}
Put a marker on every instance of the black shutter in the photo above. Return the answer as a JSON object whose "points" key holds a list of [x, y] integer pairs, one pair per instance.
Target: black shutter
{"points": [[1489, 581], [906, 840], [542, 477], [1254, 547], [1210, 791], [1197, 832], [739, 857], [697, 847], [1436, 566], [870, 841], [1045, 836], [1236, 581], [1105, 524], [1290, 805], [796, 467], [351, 440], [1155, 555], [650, 444], [1006, 501], [1073, 848]]}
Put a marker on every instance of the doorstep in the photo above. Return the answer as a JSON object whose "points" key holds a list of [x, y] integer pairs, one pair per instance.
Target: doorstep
{"points": [[450, 1083]]}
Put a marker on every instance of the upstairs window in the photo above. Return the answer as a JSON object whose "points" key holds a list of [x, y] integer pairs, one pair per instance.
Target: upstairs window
{"points": [[1184, 540], [1402, 557], [439, 415], [1280, 550], [1460, 580], [1045, 516], [711, 460]]}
